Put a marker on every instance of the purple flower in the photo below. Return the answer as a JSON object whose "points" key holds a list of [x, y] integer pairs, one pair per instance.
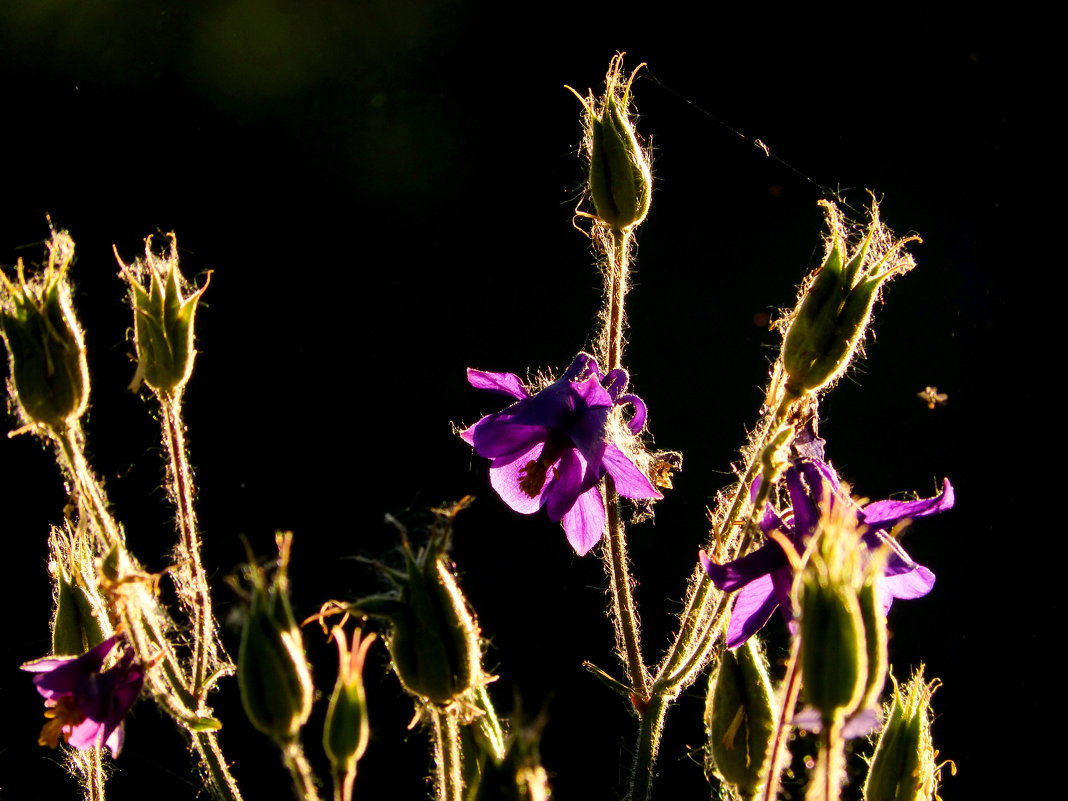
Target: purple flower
{"points": [[551, 449], [764, 576], [86, 705]]}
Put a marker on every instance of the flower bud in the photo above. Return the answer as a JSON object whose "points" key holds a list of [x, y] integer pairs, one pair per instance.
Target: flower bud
{"points": [[834, 656], [621, 179], [347, 730], [875, 636], [163, 319], [903, 767], [433, 639], [834, 310], [46, 349], [76, 627], [739, 717], [272, 672]]}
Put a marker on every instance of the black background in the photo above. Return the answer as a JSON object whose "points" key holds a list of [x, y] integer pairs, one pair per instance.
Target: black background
{"points": [[384, 193]]}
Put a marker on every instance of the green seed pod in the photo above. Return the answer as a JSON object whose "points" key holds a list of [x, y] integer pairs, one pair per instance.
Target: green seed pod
{"points": [[834, 310], [347, 730], [621, 179], [272, 671], [76, 627], [433, 639], [903, 767], [833, 651], [46, 349], [813, 323], [875, 637], [163, 319], [739, 717]]}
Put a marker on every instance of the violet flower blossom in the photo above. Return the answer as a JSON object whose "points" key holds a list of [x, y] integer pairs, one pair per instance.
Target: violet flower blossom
{"points": [[765, 577], [86, 705], [551, 448]]}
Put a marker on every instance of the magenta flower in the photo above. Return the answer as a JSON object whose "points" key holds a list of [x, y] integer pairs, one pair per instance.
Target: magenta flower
{"points": [[764, 577], [552, 448], [86, 705]]}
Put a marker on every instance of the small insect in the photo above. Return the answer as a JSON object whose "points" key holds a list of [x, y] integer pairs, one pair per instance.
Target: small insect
{"points": [[932, 397]]}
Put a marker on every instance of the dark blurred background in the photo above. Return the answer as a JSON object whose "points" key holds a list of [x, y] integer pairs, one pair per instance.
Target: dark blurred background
{"points": [[383, 191]]}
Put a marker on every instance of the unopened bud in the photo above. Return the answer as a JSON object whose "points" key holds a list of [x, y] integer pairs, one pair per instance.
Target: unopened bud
{"points": [[163, 319], [272, 671], [739, 717], [621, 178], [835, 307], [433, 639], [904, 766], [347, 730], [76, 627], [46, 349], [834, 654]]}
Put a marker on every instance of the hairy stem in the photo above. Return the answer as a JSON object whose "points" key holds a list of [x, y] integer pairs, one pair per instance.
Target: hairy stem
{"points": [[777, 750], [197, 596], [343, 782], [222, 783], [649, 730], [624, 613], [448, 773], [616, 563], [701, 625], [132, 598], [301, 772]]}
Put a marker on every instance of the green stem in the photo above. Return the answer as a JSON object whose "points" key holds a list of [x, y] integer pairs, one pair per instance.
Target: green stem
{"points": [[448, 767], [197, 597], [699, 628], [616, 562], [93, 765], [343, 781], [301, 772], [649, 730], [777, 747], [222, 783], [618, 268], [144, 620], [624, 613]]}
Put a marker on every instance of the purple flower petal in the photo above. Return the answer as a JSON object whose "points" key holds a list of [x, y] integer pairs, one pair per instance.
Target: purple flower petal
{"points": [[637, 420], [504, 383], [629, 481], [501, 437], [887, 514], [569, 482], [584, 522], [552, 448], [507, 475], [753, 608], [914, 584], [738, 573]]}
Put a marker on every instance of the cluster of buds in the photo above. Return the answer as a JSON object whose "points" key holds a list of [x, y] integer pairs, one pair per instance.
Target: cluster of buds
{"points": [[433, 637], [740, 716], [621, 178], [272, 670], [833, 312], [163, 319], [49, 373]]}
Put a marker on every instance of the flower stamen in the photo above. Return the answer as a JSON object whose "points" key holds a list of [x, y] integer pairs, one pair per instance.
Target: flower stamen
{"points": [[62, 716], [532, 477]]}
